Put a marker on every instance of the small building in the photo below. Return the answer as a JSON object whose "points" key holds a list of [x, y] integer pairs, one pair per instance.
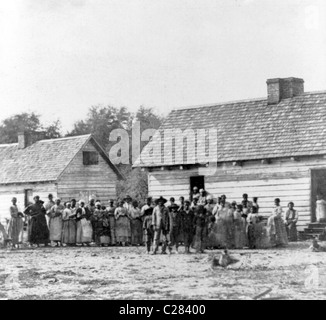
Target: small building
{"points": [[73, 167], [269, 147]]}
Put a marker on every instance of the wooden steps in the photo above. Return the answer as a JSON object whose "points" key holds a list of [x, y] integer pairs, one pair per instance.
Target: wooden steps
{"points": [[314, 229]]}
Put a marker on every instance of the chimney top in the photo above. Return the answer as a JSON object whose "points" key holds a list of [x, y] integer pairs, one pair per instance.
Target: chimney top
{"points": [[283, 88], [22, 140]]}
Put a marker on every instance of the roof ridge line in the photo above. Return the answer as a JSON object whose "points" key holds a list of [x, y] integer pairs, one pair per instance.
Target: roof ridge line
{"points": [[218, 103], [65, 138], [238, 101]]}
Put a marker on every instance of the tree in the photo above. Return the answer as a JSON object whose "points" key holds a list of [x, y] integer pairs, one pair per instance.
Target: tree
{"points": [[101, 121], [28, 122]]}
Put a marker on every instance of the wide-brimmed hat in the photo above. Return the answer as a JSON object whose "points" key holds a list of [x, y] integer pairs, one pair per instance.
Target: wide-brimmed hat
{"points": [[81, 201], [160, 199], [127, 197]]}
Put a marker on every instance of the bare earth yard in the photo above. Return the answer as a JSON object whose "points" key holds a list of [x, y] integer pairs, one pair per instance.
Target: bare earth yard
{"points": [[129, 273]]}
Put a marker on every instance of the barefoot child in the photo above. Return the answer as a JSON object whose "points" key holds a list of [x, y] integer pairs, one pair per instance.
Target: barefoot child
{"points": [[148, 228], [187, 226]]}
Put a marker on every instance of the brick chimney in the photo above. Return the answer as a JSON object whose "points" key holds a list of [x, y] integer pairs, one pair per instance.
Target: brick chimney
{"points": [[22, 140], [283, 88]]}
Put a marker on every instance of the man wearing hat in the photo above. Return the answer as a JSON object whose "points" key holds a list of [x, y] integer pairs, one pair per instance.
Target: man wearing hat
{"points": [[161, 224]]}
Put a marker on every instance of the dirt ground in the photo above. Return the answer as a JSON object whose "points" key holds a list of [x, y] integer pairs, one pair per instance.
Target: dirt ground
{"points": [[78, 273]]}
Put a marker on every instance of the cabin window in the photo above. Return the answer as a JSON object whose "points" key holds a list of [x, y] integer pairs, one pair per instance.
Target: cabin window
{"points": [[90, 158]]}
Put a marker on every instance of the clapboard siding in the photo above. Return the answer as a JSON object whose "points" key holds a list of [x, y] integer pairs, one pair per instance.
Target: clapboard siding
{"points": [[18, 190], [80, 181], [285, 179]]}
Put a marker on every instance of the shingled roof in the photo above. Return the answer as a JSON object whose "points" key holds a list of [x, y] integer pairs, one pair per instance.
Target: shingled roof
{"points": [[248, 130], [42, 161]]}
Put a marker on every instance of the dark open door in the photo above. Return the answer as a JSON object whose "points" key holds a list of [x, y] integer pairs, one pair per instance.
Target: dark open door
{"points": [[318, 186], [197, 181]]}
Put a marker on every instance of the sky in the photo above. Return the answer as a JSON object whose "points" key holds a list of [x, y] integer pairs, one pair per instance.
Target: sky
{"points": [[60, 57]]}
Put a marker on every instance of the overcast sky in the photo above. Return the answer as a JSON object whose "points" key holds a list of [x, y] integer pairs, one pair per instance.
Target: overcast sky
{"points": [[59, 57]]}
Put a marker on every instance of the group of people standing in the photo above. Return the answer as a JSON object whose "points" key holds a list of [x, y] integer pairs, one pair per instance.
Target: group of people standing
{"points": [[73, 223], [198, 223]]}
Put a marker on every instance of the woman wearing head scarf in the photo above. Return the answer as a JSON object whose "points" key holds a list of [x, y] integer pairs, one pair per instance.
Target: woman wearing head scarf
{"points": [[16, 224], [55, 223], [224, 220], [84, 225], [291, 218], [97, 223], [136, 224], [240, 236], [123, 229], [69, 225], [110, 211], [276, 227], [38, 231], [202, 200], [105, 231]]}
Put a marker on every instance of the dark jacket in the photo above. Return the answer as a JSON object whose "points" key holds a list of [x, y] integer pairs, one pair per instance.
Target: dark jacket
{"points": [[79, 214]]}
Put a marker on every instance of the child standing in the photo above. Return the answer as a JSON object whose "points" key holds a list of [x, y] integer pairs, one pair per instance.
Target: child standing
{"points": [[175, 226], [200, 224], [148, 228], [187, 225]]}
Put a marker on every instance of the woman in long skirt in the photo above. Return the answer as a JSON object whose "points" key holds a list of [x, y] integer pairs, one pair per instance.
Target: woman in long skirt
{"points": [[123, 229], [55, 223], [276, 227], [136, 224], [260, 235], [110, 210], [16, 224], [84, 225], [239, 228], [38, 231], [291, 218], [219, 237], [97, 223], [105, 234], [201, 230], [69, 226]]}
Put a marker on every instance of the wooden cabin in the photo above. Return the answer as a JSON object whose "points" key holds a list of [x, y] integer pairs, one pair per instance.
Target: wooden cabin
{"points": [[74, 167], [269, 147]]}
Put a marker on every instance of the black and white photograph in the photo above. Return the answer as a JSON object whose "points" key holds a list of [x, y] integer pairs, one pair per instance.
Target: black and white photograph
{"points": [[162, 150]]}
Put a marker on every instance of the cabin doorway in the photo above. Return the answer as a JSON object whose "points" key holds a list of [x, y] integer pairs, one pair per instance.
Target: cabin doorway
{"points": [[318, 186], [197, 181]]}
